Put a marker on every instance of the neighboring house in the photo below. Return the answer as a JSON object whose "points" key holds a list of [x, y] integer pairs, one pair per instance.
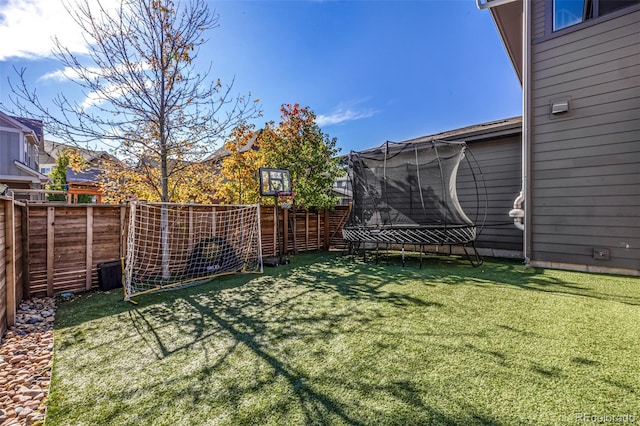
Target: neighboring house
{"points": [[46, 161], [86, 182], [222, 152], [52, 150], [20, 142], [579, 64], [342, 189]]}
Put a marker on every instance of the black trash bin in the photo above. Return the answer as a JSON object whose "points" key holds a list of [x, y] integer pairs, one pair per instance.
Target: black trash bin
{"points": [[109, 275]]}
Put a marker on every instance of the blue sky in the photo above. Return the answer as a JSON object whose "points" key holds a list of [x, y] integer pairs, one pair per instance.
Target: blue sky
{"points": [[371, 70]]}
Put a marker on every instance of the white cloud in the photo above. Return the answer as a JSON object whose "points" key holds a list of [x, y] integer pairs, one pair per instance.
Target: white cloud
{"points": [[92, 98], [27, 28], [64, 74], [96, 97], [342, 114]]}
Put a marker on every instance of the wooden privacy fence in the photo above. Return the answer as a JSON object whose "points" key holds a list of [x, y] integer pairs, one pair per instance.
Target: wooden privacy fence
{"points": [[11, 260], [303, 230], [64, 244]]}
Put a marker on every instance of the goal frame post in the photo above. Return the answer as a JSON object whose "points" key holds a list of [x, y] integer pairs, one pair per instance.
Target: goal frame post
{"points": [[248, 247]]}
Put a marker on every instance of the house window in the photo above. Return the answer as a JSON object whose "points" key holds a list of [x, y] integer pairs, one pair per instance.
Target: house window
{"points": [[45, 170], [571, 12]]}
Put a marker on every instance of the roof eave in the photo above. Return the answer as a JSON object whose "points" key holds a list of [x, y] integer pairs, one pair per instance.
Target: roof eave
{"points": [[32, 172], [508, 20]]}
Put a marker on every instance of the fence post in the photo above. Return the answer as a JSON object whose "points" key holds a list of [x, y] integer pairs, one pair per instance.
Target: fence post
{"points": [[89, 251], [123, 232], [285, 230], [327, 229], [51, 214], [306, 230], [10, 261], [26, 268], [318, 230]]}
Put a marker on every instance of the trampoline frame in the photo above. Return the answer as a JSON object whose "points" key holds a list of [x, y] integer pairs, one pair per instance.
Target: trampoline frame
{"points": [[447, 234], [421, 236]]}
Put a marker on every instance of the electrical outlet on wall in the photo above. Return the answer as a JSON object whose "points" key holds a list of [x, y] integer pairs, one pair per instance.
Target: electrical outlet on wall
{"points": [[600, 253]]}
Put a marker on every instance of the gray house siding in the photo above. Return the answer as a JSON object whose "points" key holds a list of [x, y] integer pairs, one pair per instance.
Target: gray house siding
{"points": [[500, 163], [538, 19], [9, 151], [585, 164]]}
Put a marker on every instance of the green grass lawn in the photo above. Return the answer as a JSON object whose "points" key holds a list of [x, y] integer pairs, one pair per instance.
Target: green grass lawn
{"points": [[332, 340]]}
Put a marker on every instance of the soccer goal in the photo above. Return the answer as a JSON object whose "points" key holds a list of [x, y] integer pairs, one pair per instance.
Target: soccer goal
{"points": [[171, 245]]}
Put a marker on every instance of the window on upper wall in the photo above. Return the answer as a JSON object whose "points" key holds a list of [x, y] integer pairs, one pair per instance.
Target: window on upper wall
{"points": [[571, 12]]}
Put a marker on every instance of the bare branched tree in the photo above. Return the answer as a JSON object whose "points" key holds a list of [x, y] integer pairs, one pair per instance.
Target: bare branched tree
{"points": [[141, 89]]}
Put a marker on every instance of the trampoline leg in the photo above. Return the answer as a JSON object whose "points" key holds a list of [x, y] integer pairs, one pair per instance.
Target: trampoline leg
{"points": [[347, 249], [403, 255], [420, 256], [475, 258], [377, 254]]}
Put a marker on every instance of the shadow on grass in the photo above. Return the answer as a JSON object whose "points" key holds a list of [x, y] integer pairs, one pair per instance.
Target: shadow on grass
{"points": [[262, 312], [353, 278], [457, 270], [258, 324]]}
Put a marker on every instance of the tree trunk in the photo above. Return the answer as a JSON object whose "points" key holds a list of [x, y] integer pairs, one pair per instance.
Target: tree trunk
{"points": [[164, 215], [164, 241]]}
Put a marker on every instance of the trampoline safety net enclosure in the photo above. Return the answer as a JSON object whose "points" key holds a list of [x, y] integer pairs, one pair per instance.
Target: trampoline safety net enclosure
{"points": [[405, 193]]}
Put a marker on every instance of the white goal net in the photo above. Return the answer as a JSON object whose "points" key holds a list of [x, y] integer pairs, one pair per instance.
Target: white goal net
{"points": [[170, 245]]}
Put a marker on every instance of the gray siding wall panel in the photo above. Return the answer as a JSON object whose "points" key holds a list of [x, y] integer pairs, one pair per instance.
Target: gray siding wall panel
{"points": [[500, 163], [589, 134], [585, 166], [606, 29], [611, 83], [602, 211], [9, 151], [569, 180], [587, 141], [566, 253], [584, 78], [576, 232], [588, 151], [631, 156], [574, 202], [602, 54], [582, 173], [538, 18], [587, 100], [595, 222], [598, 39]]}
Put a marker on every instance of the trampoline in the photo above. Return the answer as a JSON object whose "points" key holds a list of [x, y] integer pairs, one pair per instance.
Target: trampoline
{"points": [[405, 194]]}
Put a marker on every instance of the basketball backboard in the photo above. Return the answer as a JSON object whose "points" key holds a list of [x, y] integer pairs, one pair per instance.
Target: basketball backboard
{"points": [[273, 181]]}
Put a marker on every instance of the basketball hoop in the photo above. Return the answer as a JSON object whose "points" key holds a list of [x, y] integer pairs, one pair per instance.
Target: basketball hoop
{"points": [[285, 199]]}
